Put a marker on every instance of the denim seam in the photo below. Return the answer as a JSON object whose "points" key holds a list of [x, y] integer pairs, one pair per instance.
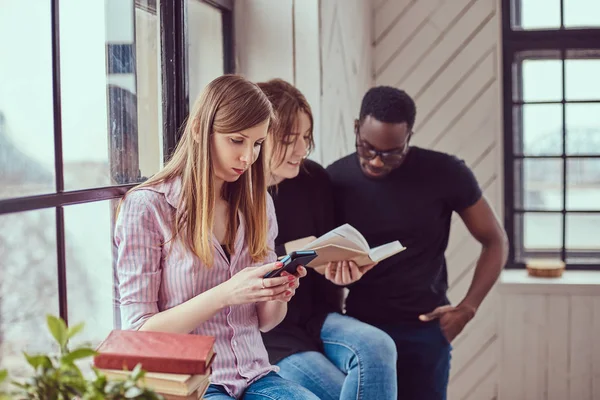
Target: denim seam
{"points": [[261, 394], [359, 393], [293, 364]]}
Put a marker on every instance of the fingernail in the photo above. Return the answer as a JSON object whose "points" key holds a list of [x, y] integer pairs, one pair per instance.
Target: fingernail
{"points": [[291, 284], [287, 293], [279, 264], [291, 278]]}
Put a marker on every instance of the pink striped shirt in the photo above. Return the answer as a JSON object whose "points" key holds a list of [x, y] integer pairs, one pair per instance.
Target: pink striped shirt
{"points": [[154, 277]]}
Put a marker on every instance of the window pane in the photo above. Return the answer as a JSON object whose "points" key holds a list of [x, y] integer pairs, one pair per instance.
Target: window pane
{"points": [[110, 100], [542, 80], [541, 231], [582, 80], [205, 51], [581, 13], [583, 184], [583, 232], [539, 14], [89, 268], [28, 286], [583, 128], [538, 184], [149, 98], [541, 129], [26, 112]]}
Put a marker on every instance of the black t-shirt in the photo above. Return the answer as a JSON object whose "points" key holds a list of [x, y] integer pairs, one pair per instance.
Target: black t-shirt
{"points": [[414, 205], [304, 207]]}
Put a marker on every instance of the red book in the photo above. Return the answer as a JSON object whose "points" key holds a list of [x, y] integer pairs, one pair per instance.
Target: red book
{"points": [[171, 353]]}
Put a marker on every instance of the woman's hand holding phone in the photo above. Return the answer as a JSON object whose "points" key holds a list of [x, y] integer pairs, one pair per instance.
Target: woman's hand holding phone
{"points": [[250, 286], [300, 273]]}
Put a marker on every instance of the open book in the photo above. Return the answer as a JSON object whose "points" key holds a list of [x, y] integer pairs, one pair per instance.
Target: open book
{"points": [[346, 243]]}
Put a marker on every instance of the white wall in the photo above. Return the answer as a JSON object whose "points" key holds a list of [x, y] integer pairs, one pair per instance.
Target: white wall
{"points": [[346, 54], [205, 46], [322, 47], [446, 54], [549, 331]]}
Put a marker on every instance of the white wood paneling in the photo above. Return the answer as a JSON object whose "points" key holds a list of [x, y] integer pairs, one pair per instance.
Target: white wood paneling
{"points": [[322, 47], [445, 54], [307, 58], [264, 39], [558, 348], [549, 333], [346, 54]]}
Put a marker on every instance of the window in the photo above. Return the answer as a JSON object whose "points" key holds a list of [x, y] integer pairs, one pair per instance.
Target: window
{"points": [[551, 52], [90, 105]]}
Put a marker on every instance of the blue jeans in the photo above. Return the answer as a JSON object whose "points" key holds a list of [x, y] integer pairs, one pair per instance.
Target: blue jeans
{"points": [[269, 387], [423, 360], [359, 362]]}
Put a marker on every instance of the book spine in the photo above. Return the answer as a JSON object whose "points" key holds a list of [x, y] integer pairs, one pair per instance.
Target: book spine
{"points": [[172, 366]]}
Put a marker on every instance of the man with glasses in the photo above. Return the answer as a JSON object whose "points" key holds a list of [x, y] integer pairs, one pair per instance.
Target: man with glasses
{"points": [[390, 190]]}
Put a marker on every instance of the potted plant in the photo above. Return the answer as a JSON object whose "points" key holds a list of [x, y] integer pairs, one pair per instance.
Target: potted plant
{"points": [[57, 377]]}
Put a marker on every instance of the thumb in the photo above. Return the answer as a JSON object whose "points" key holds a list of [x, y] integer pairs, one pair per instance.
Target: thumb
{"points": [[438, 312]]}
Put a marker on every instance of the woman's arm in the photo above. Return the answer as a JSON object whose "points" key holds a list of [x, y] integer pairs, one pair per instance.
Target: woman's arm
{"points": [[270, 314], [139, 251], [244, 287], [187, 316]]}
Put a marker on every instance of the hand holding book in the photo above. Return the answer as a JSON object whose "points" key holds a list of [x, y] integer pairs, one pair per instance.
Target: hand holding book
{"points": [[343, 273], [345, 243]]}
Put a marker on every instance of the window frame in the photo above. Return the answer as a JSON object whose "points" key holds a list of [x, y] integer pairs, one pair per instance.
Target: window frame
{"points": [[173, 20], [515, 41]]}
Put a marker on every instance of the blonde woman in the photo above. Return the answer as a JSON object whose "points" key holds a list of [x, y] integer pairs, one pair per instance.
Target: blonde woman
{"points": [[195, 240]]}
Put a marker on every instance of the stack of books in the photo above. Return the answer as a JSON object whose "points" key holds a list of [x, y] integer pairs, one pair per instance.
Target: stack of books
{"points": [[177, 366]]}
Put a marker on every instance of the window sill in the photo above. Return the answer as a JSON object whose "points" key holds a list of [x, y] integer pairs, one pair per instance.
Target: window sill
{"points": [[572, 282]]}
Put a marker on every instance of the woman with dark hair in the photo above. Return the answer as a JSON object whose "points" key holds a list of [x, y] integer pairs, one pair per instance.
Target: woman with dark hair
{"points": [[334, 356]]}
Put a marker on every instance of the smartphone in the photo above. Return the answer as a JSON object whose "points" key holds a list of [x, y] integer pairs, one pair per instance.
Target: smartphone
{"points": [[292, 261]]}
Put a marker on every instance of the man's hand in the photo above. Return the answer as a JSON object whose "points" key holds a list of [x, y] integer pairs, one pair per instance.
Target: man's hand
{"points": [[452, 319]]}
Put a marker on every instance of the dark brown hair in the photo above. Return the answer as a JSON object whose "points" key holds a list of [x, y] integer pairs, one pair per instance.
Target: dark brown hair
{"points": [[287, 101]]}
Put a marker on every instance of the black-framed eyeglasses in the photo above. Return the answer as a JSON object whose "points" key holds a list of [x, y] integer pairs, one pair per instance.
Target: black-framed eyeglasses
{"points": [[367, 152]]}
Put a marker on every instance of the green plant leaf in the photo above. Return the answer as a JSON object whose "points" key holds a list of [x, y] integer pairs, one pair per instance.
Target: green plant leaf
{"points": [[133, 392], [58, 329], [78, 354], [38, 361], [75, 329], [137, 372], [3, 375]]}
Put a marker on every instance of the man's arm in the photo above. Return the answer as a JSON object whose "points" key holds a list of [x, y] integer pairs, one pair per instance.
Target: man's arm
{"points": [[485, 226]]}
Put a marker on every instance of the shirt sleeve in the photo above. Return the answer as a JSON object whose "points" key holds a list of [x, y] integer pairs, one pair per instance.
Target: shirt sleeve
{"points": [[463, 189], [273, 231], [139, 245]]}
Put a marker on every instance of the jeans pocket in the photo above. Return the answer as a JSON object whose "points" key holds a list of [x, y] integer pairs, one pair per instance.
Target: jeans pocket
{"points": [[443, 337]]}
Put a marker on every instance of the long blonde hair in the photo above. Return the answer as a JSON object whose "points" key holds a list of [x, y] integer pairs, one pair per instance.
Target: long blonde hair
{"points": [[228, 104]]}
